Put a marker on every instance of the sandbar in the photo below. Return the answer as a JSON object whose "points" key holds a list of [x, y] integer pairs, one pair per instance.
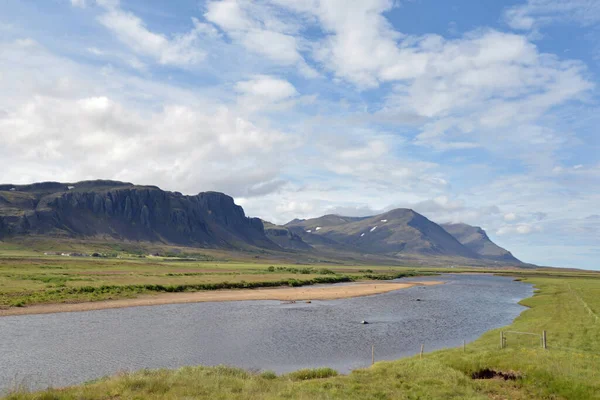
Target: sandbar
{"points": [[304, 293]]}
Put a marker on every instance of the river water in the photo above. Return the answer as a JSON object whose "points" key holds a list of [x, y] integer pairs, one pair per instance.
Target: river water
{"points": [[70, 348]]}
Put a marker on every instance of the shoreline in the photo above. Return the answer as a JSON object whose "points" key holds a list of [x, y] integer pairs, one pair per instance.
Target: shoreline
{"points": [[303, 293]]}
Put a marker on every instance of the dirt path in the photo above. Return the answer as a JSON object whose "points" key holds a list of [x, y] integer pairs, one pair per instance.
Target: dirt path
{"points": [[318, 292]]}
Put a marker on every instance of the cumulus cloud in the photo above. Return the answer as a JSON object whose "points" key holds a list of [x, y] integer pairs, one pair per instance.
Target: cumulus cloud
{"points": [[485, 82], [263, 93], [181, 50], [266, 87], [173, 141], [259, 29], [360, 44], [68, 135]]}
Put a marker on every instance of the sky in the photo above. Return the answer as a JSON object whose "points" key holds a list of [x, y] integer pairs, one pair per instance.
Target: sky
{"points": [[477, 111]]}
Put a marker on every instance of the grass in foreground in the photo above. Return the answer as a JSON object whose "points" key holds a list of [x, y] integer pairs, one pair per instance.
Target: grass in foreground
{"points": [[570, 369]]}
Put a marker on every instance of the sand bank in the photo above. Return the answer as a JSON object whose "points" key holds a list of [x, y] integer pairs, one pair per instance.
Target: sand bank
{"points": [[317, 292]]}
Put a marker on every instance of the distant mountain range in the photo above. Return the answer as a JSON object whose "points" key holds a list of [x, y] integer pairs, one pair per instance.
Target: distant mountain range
{"points": [[124, 211]]}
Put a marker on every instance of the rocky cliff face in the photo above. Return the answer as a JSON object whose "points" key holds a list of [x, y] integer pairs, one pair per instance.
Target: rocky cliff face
{"points": [[126, 211]]}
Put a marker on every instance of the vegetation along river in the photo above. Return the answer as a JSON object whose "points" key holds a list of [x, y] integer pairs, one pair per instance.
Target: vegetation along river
{"points": [[70, 348]]}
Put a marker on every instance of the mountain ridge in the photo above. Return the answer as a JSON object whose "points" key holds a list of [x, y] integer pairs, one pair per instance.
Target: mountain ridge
{"points": [[125, 211], [477, 239]]}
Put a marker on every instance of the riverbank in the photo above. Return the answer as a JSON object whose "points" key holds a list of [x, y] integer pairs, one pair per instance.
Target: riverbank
{"points": [[568, 369], [303, 293]]}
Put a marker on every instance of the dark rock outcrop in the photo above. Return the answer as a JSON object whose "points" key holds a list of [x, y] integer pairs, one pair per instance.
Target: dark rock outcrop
{"points": [[125, 211], [284, 237]]}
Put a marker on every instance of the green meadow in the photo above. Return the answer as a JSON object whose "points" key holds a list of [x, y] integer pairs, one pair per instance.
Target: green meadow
{"points": [[30, 277]]}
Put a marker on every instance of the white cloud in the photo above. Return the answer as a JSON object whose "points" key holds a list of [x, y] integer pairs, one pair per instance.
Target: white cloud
{"points": [[228, 15], [266, 87], [520, 229], [178, 143], [92, 129], [287, 151], [534, 13], [181, 50], [128, 60], [373, 150], [78, 3], [360, 42], [473, 90], [368, 159], [259, 28], [510, 217], [276, 46], [446, 209], [264, 93]]}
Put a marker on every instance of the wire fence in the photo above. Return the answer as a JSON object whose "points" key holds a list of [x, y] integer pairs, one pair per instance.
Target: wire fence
{"points": [[511, 339], [583, 302], [540, 337]]}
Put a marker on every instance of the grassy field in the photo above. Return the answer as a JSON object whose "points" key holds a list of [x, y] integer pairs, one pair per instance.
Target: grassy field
{"points": [[30, 277], [566, 305]]}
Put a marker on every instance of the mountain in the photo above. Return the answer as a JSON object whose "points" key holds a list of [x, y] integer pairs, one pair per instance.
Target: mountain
{"points": [[477, 240], [123, 211], [284, 237], [396, 232]]}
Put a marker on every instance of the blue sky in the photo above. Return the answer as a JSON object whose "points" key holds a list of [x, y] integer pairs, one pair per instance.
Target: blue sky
{"points": [[484, 112]]}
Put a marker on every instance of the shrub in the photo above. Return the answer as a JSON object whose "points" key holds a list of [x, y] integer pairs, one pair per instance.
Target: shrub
{"points": [[268, 375], [325, 271], [294, 283], [316, 373]]}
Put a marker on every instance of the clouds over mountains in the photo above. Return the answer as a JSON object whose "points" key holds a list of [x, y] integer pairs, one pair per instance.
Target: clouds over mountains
{"points": [[300, 108]]}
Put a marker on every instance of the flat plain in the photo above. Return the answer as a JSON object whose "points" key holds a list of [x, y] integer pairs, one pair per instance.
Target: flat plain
{"points": [[30, 277]]}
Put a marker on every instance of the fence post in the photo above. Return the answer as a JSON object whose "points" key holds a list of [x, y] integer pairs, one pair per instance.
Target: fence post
{"points": [[372, 354], [422, 348], [544, 345]]}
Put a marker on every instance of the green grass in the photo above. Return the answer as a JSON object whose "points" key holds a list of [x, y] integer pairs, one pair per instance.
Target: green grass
{"points": [[566, 307], [28, 277]]}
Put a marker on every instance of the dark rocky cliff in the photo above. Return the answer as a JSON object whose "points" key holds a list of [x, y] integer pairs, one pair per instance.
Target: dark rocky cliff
{"points": [[125, 211]]}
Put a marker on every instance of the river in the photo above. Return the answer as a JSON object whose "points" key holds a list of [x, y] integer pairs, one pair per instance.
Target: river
{"points": [[70, 348]]}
